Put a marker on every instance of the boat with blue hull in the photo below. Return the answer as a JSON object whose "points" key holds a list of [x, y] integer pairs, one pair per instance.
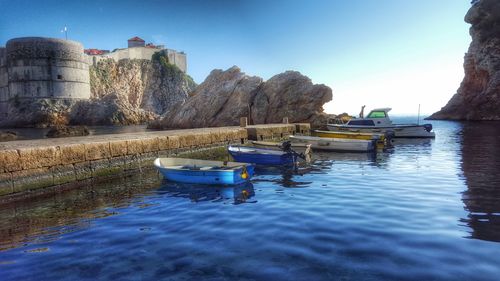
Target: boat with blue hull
{"points": [[204, 171], [262, 156]]}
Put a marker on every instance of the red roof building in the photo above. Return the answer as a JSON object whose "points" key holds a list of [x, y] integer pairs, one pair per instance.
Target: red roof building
{"points": [[136, 42], [93, 52]]}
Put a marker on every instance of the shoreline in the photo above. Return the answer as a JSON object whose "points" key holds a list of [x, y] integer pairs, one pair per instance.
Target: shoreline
{"points": [[28, 167]]}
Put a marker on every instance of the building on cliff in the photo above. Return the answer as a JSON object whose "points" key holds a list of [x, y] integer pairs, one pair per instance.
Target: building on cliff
{"points": [[138, 49], [39, 69], [42, 68]]}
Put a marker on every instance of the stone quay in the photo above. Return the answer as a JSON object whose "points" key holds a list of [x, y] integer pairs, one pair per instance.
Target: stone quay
{"points": [[32, 167]]}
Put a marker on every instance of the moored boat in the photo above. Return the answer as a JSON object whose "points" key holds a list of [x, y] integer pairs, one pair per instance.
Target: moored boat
{"points": [[204, 171], [262, 156], [283, 154], [335, 144], [383, 140], [378, 121]]}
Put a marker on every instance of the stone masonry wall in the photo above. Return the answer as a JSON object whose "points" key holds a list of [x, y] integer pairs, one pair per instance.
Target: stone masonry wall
{"points": [[32, 165]]}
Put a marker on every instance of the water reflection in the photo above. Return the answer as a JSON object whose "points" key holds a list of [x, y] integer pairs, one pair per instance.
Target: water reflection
{"points": [[481, 166], [43, 220], [286, 177], [201, 193]]}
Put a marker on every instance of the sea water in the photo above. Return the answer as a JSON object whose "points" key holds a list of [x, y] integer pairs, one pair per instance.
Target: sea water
{"points": [[428, 209]]}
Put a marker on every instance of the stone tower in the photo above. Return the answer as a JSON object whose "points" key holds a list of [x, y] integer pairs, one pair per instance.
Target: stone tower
{"points": [[42, 68]]}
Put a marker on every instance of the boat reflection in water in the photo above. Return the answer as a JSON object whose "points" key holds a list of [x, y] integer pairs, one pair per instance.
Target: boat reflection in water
{"points": [[200, 193], [481, 166]]}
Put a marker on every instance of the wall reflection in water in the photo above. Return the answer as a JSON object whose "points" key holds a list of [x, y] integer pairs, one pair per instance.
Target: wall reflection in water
{"points": [[481, 168], [48, 218]]}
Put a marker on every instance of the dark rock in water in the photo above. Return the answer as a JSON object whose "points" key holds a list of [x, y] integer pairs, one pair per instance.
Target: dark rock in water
{"points": [[8, 136], [225, 96], [478, 97], [67, 131]]}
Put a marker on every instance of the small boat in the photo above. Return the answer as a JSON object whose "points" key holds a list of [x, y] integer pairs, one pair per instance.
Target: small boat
{"points": [[383, 140], [378, 121], [266, 156], [204, 171], [335, 144]]}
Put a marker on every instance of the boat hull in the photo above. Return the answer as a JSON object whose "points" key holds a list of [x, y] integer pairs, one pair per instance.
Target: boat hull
{"points": [[402, 131], [383, 140], [237, 174], [261, 156], [335, 144]]}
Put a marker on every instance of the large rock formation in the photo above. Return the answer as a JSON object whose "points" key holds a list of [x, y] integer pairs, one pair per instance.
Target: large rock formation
{"points": [[225, 96], [131, 92], [37, 113], [154, 86], [478, 97], [122, 93]]}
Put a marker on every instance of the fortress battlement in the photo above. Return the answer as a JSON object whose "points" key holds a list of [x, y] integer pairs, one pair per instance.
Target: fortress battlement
{"points": [[138, 49]]}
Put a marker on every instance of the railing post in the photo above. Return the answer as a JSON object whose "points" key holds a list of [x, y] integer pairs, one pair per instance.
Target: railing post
{"points": [[243, 122]]}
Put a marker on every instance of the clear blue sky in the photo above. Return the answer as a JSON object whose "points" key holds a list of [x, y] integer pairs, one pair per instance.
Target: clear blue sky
{"points": [[396, 53]]}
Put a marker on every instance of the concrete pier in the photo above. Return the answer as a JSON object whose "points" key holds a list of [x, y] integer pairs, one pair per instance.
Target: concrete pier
{"points": [[30, 165]]}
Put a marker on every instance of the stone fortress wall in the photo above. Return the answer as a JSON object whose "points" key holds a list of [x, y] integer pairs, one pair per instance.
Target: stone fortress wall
{"points": [[177, 58], [40, 68], [49, 68], [4, 83]]}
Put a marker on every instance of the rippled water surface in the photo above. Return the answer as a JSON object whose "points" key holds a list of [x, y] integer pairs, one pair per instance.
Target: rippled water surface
{"points": [[427, 210]]}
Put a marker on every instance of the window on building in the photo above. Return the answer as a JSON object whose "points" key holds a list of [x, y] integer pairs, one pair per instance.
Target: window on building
{"points": [[59, 77]]}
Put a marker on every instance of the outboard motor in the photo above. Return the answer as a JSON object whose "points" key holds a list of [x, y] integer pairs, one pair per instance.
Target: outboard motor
{"points": [[286, 146], [428, 127], [389, 138]]}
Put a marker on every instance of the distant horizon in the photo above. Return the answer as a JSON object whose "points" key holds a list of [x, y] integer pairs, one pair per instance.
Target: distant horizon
{"points": [[379, 54]]}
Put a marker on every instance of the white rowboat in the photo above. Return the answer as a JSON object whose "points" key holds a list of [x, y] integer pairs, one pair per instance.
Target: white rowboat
{"points": [[335, 144]]}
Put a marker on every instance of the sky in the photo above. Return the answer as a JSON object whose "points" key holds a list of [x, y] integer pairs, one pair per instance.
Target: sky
{"points": [[386, 53]]}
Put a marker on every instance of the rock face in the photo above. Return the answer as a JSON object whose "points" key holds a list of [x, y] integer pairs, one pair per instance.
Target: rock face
{"points": [[122, 93], [37, 113], [478, 97], [8, 136], [149, 85], [225, 96]]}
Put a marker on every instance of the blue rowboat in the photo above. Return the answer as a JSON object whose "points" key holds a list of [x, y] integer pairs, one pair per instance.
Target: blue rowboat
{"points": [[203, 171], [262, 156]]}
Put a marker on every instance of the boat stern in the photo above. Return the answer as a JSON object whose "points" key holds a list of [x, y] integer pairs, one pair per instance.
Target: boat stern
{"points": [[244, 174]]}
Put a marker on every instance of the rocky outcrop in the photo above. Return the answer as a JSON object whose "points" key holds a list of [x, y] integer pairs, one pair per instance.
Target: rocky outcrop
{"points": [[8, 136], [225, 96], [111, 109], [67, 131], [122, 93], [39, 113], [153, 86], [478, 97]]}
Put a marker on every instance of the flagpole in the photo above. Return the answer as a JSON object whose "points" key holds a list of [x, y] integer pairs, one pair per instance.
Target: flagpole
{"points": [[65, 30]]}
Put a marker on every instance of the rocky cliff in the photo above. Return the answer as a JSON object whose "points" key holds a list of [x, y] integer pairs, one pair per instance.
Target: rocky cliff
{"points": [[225, 96], [478, 97], [131, 92], [122, 93]]}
